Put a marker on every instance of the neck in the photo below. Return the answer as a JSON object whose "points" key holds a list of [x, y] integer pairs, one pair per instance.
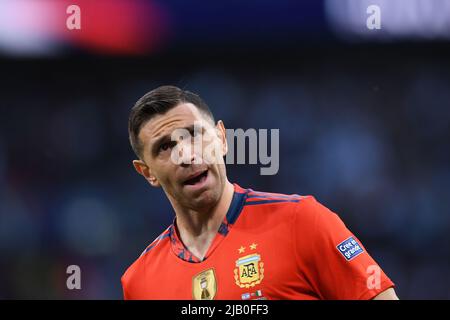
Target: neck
{"points": [[197, 229], [196, 222]]}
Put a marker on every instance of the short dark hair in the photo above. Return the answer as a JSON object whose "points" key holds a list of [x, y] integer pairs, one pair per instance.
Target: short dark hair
{"points": [[159, 101]]}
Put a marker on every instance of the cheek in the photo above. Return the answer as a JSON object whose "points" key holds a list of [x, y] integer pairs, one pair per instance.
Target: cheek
{"points": [[212, 151], [218, 172], [165, 173]]}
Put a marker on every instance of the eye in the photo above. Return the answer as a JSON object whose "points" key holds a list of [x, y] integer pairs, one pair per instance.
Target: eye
{"points": [[196, 133], [165, 146]]}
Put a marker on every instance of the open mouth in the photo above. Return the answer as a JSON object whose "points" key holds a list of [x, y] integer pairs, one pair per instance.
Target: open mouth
{"points": [[197, 179]]}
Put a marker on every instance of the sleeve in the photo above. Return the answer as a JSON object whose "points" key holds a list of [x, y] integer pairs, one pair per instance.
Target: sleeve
{"points": [[333, 260]]}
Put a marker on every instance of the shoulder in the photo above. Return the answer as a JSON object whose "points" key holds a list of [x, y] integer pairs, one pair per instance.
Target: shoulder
{"points": [[157, 244], [314, 223], [303, 209], [274, 201], [150, 253], [311, 211], [277, 206], [271, 198]]}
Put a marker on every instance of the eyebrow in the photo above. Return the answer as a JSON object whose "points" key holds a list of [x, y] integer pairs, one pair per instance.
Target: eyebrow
{"points": [[167, 138]]}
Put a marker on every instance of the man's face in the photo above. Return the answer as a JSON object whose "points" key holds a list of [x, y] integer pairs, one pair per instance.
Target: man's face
{"points": [[180, 160]]}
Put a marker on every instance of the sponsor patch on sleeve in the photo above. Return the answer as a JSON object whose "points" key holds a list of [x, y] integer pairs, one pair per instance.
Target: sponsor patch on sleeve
{"points": [[350, 248]]}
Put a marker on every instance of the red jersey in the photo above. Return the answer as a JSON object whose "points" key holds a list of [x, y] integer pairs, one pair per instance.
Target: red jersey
{"points": [[269, 246]]}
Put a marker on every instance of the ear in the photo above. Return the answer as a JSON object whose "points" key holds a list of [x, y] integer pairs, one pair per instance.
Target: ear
{"points": [[143, 169], [223, 136]]}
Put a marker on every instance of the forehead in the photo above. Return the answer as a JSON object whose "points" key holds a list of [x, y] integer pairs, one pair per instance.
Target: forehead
{"points": [[181, 116]]}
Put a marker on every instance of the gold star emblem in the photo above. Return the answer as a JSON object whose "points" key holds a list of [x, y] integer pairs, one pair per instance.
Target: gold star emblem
{"points": [[253, 246], [241, 249]]}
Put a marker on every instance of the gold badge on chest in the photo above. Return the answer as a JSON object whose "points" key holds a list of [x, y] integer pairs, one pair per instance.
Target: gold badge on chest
{"points": [[204, 285]]}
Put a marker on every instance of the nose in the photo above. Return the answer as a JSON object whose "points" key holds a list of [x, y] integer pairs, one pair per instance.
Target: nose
{"points": [[188, 153], [188, 159]]}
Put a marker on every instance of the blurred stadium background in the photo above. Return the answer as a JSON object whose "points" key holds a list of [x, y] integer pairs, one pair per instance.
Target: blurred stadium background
{"points": [[363, 115]]}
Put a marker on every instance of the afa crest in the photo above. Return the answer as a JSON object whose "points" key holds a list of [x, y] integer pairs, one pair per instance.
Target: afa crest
{"points": [[249, 271]]}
